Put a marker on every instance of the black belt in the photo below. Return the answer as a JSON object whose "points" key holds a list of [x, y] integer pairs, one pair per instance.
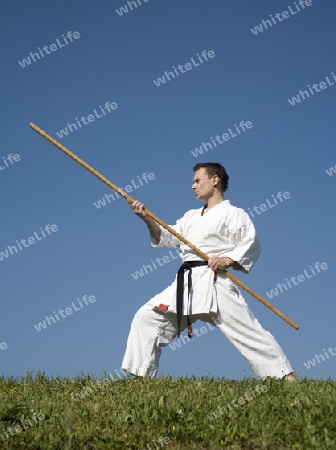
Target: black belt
{"points": [[188, 265]]}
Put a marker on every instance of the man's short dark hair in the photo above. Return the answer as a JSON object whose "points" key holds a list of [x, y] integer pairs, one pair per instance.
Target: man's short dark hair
{"points": [[213, 169]]}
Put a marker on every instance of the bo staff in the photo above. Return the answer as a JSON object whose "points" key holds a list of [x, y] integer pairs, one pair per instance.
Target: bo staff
{"points": [[159, 221]]}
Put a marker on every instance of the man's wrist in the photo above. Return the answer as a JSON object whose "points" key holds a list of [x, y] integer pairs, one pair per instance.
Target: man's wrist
{"points": [[228, 261], [148, 220]]}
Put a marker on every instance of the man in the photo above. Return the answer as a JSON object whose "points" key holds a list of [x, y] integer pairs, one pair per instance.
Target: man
{"points": [[227, 235]]}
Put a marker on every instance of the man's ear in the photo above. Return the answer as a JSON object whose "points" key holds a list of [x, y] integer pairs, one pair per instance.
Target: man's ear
{"points": [[216, 180]]}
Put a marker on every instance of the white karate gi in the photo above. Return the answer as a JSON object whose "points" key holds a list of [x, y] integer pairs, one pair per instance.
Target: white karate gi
{"points": [[225, 231]]}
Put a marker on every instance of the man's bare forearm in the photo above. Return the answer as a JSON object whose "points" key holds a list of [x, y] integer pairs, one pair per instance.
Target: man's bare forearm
{"points": [[154, 229]]}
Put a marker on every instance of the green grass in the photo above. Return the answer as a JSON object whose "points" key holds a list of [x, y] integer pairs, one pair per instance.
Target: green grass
{"points": [[134, 414]]}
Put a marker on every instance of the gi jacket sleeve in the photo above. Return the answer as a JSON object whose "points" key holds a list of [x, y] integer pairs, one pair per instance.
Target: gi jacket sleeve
{"points": [[166, 238], [246, 246]]}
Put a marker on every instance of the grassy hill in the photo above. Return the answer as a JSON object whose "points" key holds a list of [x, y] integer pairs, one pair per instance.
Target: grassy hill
{"points": [[185, 413]]}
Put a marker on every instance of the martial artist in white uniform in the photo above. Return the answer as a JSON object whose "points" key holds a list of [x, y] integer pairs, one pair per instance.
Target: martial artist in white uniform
{"points": [[227, 235]]}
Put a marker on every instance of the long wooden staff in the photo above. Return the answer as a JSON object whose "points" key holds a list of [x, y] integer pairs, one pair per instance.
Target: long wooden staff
{"points": [[164, 225]]}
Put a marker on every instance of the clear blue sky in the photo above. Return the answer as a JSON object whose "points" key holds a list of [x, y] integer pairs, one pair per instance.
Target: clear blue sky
{"points": [[115, 58]]}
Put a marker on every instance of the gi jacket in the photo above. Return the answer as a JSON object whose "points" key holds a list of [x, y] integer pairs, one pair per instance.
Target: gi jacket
{"points": [[224, 230]]}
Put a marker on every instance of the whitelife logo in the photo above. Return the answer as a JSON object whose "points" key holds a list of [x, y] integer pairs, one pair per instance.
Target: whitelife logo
{"points": [[124, 9], [244, 126], [311, 362], [280, 17], [149, 268], [146, 177], [10, 160], [86, 120], [259, 389], [331, 171], [68, 311], [187, 66], [297, 280], [263, 207], [24, 243], [53, 47], [318, 87]]}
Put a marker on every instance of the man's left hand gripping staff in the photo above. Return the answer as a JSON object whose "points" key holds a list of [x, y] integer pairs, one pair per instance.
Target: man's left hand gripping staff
{"points": [[216, 263]]}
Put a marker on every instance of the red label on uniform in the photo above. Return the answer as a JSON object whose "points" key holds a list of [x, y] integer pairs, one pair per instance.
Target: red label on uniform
{"points": [[163, 307]]}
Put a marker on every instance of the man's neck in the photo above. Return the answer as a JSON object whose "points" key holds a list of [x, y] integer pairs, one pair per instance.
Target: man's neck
{"points": [[213, 201]]}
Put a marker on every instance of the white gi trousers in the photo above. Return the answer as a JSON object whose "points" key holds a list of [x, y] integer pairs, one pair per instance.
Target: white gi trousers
{"points": [[153, 328]]}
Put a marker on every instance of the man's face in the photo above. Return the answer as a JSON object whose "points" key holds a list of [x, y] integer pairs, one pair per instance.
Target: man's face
{"points": [[203, 186]]}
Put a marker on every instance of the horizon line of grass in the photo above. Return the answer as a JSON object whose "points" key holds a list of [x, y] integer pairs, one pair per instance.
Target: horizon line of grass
{"points": [[194, 413]]}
